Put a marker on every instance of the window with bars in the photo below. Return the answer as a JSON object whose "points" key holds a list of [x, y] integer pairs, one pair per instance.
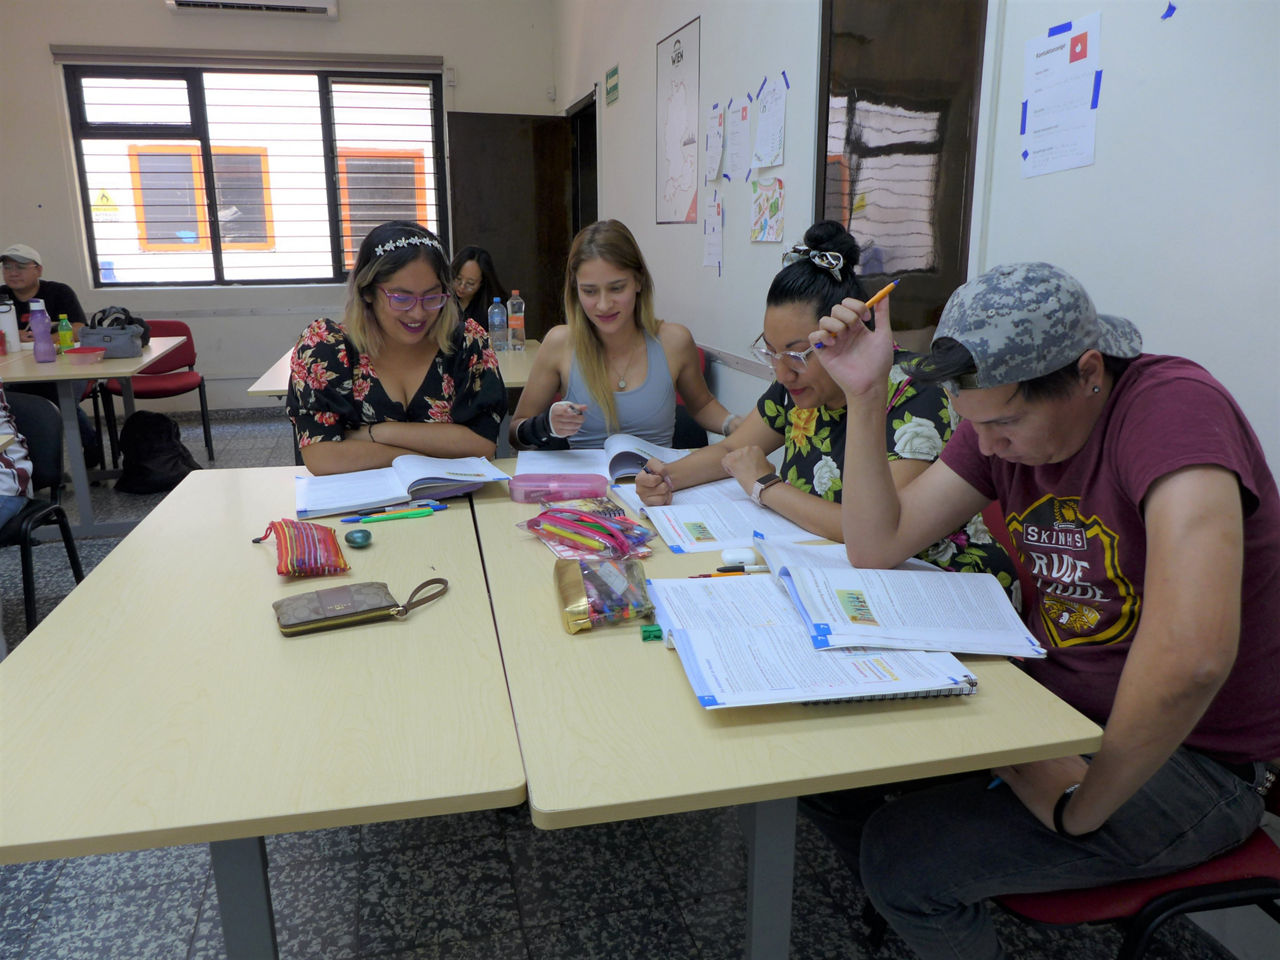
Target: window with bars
{"points": [[204, 176]]}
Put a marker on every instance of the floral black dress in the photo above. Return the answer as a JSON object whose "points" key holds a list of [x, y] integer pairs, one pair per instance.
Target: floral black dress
{"points": [[334, 388], [918, 422]]}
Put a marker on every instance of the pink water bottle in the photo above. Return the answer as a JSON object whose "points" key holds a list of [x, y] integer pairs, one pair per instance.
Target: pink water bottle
{"points": [[41, 334]]}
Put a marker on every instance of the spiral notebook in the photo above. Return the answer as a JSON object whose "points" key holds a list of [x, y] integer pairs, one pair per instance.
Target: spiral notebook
{"points": [[742, 643]]}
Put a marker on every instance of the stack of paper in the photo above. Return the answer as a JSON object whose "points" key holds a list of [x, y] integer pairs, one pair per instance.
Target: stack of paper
{"points": [[713, 516]]}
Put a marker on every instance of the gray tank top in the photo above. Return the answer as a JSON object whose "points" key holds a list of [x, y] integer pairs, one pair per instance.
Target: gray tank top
{"points": [[648, 411]]}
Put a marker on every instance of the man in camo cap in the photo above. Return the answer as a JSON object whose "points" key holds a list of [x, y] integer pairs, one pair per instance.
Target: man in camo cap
{"points": [[1142, 507], [1021, 321]]}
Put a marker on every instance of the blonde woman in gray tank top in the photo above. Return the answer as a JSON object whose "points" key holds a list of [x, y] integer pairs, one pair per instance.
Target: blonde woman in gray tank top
{"points": [[607, 351]]}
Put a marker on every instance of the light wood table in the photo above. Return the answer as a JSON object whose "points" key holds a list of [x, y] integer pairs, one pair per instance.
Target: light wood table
{"points": [[610, 729], [514, 364], [275, 382], [19, 366], [158, 703]]}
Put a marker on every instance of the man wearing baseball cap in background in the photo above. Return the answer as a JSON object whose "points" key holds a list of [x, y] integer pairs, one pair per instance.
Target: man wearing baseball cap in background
{"points": [[1141, 503], [24, 282]]}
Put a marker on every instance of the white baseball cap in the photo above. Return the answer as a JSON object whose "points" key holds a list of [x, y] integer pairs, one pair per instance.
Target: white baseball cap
{"points": [[23, 254]]}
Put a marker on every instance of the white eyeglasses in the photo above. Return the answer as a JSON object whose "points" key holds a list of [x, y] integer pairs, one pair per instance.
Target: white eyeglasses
{"points": [[794, 361]]}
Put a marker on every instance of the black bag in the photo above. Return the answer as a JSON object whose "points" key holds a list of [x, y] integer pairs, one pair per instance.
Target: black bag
{"points": [[155, 459], [120, 317]]}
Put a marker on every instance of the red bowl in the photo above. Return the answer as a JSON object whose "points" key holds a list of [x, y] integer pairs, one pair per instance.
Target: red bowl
{"points": [[83, 355]]}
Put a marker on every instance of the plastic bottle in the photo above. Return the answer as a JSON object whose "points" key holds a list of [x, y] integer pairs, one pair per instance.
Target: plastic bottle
{"points": [[66, 335], [41, 333], [515, 320], [498, 324]]}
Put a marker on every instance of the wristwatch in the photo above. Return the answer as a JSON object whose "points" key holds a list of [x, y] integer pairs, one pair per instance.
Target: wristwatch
{"points": [[763, 484]]}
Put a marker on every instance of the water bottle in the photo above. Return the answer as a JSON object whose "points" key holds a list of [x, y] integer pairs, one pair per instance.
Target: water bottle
{"points": [[66, 335], [41, 334], [498, 324], [515, 320]]}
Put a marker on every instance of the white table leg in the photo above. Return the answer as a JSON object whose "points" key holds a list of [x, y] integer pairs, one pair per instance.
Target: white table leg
{"points": [[770, 829], [244, 898]]}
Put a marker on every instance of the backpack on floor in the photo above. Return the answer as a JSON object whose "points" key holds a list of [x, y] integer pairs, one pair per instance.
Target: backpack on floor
{"points": [[155, 459]]}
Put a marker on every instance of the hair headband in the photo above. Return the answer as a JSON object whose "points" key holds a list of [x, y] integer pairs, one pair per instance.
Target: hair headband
{"points": [[828, 260], [404, 242]]}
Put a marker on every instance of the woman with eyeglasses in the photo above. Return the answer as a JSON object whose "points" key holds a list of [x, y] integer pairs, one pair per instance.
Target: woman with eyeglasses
{"points": [[476, 283], [616, 365], [803, 411], [403, 372]]}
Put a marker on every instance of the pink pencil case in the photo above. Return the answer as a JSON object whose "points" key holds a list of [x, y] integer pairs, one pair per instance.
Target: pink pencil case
{"points": [[537, 487]]}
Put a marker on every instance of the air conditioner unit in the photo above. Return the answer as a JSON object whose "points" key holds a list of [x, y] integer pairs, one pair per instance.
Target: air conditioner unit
{"points": [[326, 8]]}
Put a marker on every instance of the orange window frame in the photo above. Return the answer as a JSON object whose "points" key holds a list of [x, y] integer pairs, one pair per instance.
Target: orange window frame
{"points": [[351, 244], [268, 222], [198, 186]]}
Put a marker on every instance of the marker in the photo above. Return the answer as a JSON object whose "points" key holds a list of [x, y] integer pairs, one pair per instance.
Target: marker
{"points": [[397, 507], [743, 568], [403, 515], [573, 536], [392, 511], [703, 576], [870, 322]]}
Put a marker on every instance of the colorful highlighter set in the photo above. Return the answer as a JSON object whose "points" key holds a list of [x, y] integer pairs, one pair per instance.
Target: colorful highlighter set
{"points": [[588, 536]]}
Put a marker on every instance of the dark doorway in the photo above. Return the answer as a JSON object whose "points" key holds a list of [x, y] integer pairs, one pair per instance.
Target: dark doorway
{"points": [[899, 113], [510, 183], [582, 122]]}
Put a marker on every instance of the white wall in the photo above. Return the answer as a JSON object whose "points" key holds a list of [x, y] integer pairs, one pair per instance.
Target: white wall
{"points": [[500, 50], [1176, 225], [741, 42]]}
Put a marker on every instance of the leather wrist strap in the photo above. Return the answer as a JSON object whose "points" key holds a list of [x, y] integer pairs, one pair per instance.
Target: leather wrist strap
{"points": [[441, 586], [1060, 808]]}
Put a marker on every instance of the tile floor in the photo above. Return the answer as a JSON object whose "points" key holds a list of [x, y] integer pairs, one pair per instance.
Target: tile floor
{"points": [[480, 886]]}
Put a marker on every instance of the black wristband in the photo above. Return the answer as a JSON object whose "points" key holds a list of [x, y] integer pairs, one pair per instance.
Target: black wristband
{"points": [[536, 432], [1060, 808]]}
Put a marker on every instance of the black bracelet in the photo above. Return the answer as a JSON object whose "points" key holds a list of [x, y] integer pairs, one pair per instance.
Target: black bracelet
{"points": [[370, 431], [536, 432], [1060, 808]]}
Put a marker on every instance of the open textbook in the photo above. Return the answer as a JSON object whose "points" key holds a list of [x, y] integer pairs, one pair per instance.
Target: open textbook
{"points": [[623, 455], [410, 477], [713, 516], [918, 609], [742, 643]]}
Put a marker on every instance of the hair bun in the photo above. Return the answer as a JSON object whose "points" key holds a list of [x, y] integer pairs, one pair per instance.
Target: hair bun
{"points": [[831, 235]]}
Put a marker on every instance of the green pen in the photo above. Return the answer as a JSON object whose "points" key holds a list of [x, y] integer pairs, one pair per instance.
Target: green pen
{"points": [[404, 515]]}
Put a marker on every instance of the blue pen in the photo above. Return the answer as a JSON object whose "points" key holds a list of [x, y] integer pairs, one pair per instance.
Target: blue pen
{"points": [[995, 783]]}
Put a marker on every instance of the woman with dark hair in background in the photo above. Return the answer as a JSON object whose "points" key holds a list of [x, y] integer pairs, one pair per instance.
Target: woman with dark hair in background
{"points": [[803, 410], [617, 365], [403, 372], [476, 283]]}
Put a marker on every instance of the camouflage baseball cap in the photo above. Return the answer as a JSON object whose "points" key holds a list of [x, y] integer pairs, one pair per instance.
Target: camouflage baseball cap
{"points": [[1020, 321]]}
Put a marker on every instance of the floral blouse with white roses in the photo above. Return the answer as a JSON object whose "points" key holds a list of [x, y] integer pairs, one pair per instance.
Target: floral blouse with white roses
{"points": [[334, 388], [918, 421]]}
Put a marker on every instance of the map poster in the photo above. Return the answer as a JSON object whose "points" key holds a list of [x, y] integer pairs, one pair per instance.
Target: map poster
{"points": [[676, 170], [766, 211]]}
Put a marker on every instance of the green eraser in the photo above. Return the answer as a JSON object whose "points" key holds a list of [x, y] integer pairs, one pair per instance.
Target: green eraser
{"points": [[651, 631]]}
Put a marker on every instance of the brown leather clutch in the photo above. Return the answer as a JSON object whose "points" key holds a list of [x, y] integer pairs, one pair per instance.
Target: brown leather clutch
{"points": [[348, 605]]}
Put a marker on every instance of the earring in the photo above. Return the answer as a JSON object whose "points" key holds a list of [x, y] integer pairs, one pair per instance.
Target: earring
{"points": [[1096, 388]]}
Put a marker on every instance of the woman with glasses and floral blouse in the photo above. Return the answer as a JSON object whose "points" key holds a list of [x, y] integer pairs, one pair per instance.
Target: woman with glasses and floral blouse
{"points": [[476, 283], [403, 372], [803, 412]]}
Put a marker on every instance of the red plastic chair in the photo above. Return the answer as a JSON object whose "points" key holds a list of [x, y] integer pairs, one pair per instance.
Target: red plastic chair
{"points": [[1249, 874], [164, 378]]}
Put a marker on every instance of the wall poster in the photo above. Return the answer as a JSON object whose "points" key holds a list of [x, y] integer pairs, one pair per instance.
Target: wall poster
{"points": [[676, 171]]}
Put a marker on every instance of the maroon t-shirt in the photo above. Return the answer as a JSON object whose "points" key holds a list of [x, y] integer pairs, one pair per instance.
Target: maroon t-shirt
{"points": [[1079, 529]]}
